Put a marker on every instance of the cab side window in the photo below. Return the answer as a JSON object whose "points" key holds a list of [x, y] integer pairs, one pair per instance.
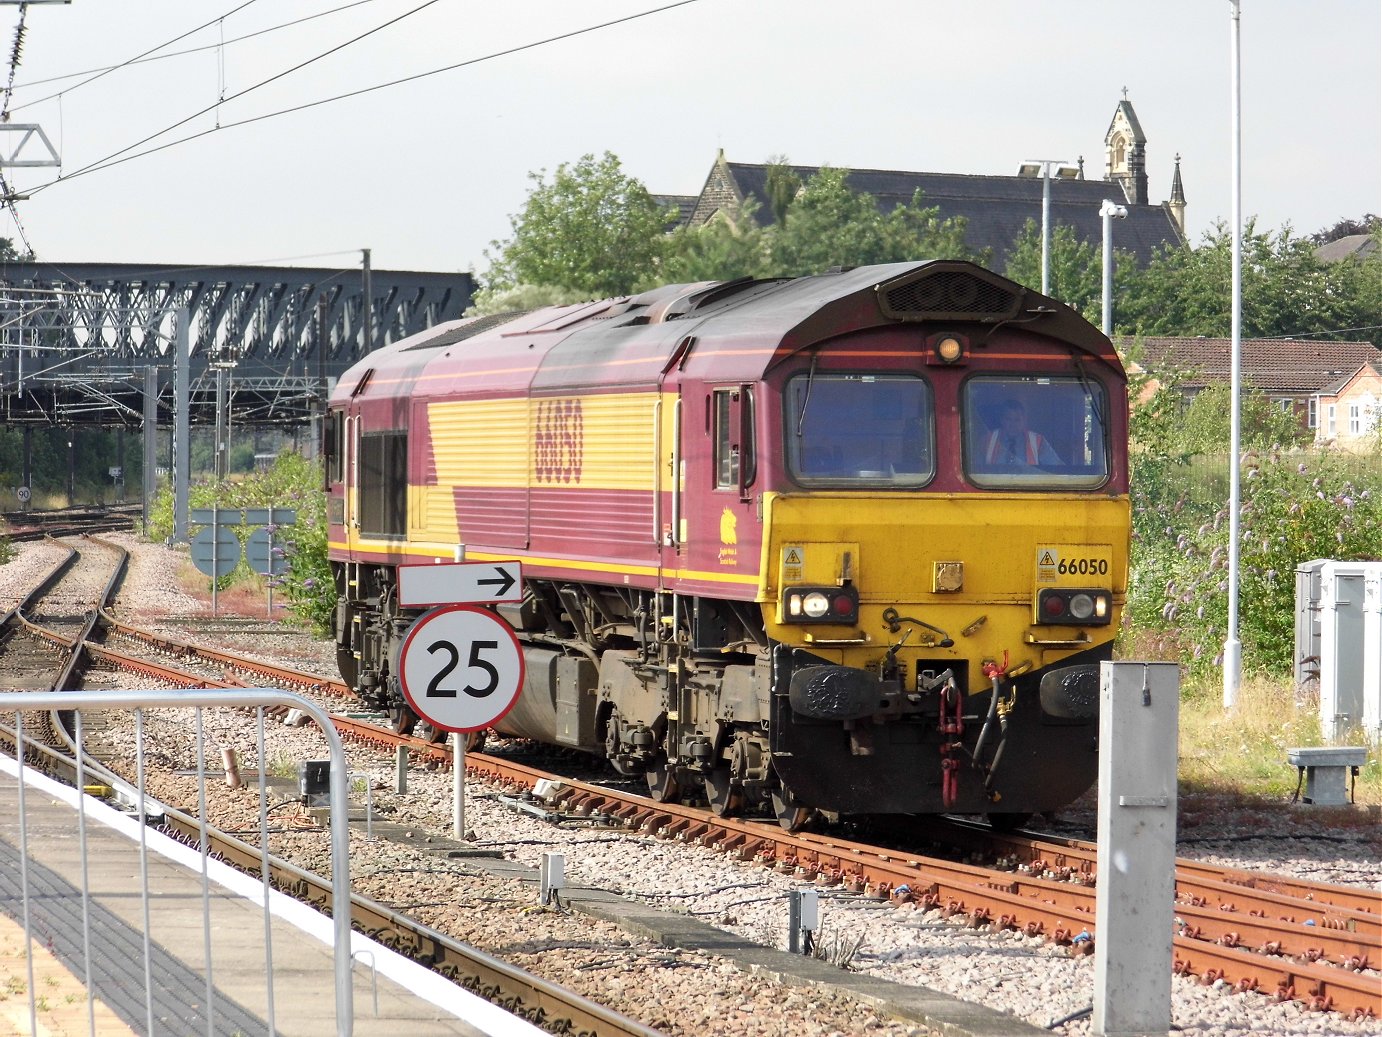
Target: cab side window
{"points": [[731, 429]]}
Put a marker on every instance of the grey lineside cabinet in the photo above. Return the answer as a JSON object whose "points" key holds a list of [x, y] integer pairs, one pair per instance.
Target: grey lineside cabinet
{"points": [[1339, 643]]}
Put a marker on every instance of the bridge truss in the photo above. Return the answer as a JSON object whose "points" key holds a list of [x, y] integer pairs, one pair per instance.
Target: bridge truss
{"points": [[76, 339]]}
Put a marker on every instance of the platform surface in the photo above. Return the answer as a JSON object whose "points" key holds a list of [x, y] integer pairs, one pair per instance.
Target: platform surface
{"points": [[411, 999]]}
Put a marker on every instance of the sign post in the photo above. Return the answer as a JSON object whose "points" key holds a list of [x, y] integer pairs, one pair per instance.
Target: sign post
{"points": [[458, 786], [216, 549], [216, 552], [461, 670]]}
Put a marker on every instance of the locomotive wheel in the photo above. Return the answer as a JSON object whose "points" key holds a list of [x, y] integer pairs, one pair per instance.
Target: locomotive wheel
{"points": [[724, 797], [475, 740], [662, 781], [403, 719], [789, 812]]}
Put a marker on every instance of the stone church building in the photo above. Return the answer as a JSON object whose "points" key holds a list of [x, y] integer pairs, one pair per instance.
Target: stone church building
{"points": [[995, 207]]}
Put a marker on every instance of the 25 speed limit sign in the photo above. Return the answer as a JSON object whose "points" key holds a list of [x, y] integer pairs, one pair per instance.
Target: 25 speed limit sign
{"points": [[461, 668]]}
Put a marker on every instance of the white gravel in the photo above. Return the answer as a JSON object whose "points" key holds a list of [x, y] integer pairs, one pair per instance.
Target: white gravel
{"points": [[1027, 978]]}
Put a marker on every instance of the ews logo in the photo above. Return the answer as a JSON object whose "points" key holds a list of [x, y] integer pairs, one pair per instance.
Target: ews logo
{"points": [[558, 441]]}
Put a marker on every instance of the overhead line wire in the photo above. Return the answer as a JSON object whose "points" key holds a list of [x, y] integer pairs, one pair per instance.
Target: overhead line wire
{"points": [[151, 50], [173, 54], [107, 163]]}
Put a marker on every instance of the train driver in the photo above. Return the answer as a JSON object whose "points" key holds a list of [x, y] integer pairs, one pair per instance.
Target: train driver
{"points": [[1013, 444]]}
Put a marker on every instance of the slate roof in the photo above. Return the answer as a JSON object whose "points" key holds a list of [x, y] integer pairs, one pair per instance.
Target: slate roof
{"points": [[685, 205], [1272, 365], [996, 207], [1337, 386], [1360, 245], [1125, 106]]}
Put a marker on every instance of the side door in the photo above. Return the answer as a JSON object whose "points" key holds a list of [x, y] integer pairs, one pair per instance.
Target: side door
{"points": [[710, 536]]}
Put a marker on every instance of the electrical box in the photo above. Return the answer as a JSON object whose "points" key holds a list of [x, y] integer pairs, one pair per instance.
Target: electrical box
{"points": [[1350, 648], [314, 782]]}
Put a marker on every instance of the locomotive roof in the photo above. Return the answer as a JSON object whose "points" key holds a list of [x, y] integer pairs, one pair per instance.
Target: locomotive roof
{"points": [[732, 330]]}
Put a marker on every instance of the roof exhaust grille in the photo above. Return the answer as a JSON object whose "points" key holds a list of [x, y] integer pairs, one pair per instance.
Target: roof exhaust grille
{"points": [[473, 328], [949, 294]]}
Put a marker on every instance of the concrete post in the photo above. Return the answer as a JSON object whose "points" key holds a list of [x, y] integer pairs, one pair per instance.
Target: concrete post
{"points": [[1139, 709]]}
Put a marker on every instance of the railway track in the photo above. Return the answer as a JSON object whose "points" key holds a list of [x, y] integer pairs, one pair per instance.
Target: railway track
{"points": [[1315, 943], [22, 526], [1312, 942]]}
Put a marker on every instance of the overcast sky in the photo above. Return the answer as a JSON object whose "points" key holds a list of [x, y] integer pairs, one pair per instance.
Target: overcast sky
{"points": [[427, 173]]}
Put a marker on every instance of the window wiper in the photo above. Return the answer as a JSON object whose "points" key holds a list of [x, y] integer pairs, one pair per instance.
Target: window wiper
{"points": [[810, 381], [1096, 400]]}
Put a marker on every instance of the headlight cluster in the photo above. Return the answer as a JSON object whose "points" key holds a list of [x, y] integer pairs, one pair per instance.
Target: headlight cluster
{"points": [[820, 604], [1074, 606]]}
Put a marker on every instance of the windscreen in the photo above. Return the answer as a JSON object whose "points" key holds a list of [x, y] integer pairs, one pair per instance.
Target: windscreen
{"points": [[859, 429], [1035, 432]]}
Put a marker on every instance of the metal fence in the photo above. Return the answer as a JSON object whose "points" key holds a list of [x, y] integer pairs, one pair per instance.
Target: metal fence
{"points": [[48, 891], [1203, 479]]}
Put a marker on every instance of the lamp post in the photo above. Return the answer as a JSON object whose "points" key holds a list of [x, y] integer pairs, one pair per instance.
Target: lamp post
{"points": [[1233, 647], [1042, 167], [1109, 210]]}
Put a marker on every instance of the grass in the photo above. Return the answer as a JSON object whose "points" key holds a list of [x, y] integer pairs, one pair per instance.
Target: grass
{"points": [[1241, 752]]}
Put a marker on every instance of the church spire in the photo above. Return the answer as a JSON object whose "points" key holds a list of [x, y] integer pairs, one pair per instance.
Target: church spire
{"points": [[1177, 202], [1125, 153]]}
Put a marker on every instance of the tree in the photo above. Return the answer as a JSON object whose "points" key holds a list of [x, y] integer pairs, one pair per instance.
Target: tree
{"points": [[720, 250], [782, 185], [1076, 269], [521, 297], [10, 254], [1344, 228], [1286, 290], [1206, 423], [831, 225], [593, 230]]}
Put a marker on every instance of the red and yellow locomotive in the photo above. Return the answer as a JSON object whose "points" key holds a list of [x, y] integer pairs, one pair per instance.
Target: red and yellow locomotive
{"points": [[851, 543]]}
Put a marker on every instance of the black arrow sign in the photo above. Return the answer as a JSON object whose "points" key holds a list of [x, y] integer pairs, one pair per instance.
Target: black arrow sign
{"points": [[504, 582]]}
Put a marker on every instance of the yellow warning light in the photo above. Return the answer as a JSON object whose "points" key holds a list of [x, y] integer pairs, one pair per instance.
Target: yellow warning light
{"points": [[949, 349]]}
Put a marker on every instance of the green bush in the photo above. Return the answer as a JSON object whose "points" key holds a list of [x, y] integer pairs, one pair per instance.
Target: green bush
{"points": [[1294, 506]]}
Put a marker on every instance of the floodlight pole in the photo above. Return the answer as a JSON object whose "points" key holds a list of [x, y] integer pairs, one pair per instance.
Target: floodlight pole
{"points": [[1046, 228], [1108, 211], [1233, 647]]}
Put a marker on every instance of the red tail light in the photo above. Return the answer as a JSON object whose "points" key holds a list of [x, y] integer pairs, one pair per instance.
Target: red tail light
{"points": [[1074, 606]]}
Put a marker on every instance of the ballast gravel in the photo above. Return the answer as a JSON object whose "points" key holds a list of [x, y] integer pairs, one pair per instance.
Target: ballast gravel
{"points": [[689, 992]]}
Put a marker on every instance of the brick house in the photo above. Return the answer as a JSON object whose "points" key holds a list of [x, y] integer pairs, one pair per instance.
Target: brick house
{"points": [[1333, 388], [1350, 407]]}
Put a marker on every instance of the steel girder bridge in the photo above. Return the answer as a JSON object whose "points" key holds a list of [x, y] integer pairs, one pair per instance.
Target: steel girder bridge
{"points": [[77, 340]]}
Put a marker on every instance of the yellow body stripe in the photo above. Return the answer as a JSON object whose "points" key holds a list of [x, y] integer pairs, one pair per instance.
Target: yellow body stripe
{"points": [[445, 552]]}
